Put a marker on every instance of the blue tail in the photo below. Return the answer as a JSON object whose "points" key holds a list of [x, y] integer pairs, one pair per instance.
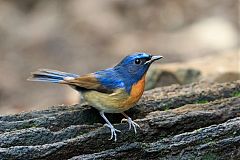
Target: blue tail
{"points": [[47, 75]]}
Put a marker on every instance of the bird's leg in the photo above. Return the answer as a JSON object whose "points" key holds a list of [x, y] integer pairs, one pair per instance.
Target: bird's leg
{"points": [[130, 122], [109, 125], [83, 102]]}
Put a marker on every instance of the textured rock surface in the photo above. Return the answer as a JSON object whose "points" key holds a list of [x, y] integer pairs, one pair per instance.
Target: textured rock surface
{"points": [[195, 121]]}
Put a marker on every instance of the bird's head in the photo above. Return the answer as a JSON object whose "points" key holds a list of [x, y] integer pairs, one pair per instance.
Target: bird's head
{"points": [[134, 66]]}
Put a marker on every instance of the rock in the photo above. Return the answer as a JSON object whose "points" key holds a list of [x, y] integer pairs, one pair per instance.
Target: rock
{"points": [[221, 68], [226, 77], [182, 146], [199, 120], [186, 76], [159, 78]]}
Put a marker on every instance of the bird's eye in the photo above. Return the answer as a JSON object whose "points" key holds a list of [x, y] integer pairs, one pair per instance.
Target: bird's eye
{"points": [[137, 61]]}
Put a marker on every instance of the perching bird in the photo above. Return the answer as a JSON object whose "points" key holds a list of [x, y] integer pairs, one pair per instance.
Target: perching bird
{"points": [[113, 90]]}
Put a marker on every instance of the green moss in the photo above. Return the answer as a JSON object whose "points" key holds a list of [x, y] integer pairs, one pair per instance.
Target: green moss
{"points": [[166, 108], [210, 156], [79, 134], [33, 126], [28, 125], [201, 101], [236, 94], [198, 130]]}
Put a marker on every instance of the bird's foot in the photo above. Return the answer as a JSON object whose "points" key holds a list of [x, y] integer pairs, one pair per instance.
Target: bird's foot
{"points": [[113, 132], [131, 124]]}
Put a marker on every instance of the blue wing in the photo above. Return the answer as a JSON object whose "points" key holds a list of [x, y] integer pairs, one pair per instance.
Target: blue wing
{"points": [[109, 79]]}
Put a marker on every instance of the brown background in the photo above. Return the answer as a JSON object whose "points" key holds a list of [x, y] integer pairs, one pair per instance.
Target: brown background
{"points": [[84, 36]]}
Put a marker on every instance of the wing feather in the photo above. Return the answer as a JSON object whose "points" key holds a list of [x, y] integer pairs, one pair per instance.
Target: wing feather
{"points": [[87, 82]]}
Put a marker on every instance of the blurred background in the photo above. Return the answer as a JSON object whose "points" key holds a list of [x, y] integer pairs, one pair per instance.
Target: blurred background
{"points": [[198, 38]]}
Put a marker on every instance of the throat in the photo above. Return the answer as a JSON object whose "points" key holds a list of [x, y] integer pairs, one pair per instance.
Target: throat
{"points": [[138, 88], [135, 94]]}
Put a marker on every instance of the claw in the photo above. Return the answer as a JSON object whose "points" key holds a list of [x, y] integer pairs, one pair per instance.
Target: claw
{"points": [[131, 124], [124, 120], [109, 125], [134, 124], [113, 132]]}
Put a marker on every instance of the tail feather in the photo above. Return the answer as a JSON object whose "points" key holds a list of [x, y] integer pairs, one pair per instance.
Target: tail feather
{"points": [[47, 75]]}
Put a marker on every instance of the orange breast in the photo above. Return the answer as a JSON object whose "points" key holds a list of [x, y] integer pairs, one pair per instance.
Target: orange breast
{"points": [[116, 102], [136, 92]]}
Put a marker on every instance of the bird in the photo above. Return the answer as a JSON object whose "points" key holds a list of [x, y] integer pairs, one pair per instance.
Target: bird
{"points": [[112, 90]]}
